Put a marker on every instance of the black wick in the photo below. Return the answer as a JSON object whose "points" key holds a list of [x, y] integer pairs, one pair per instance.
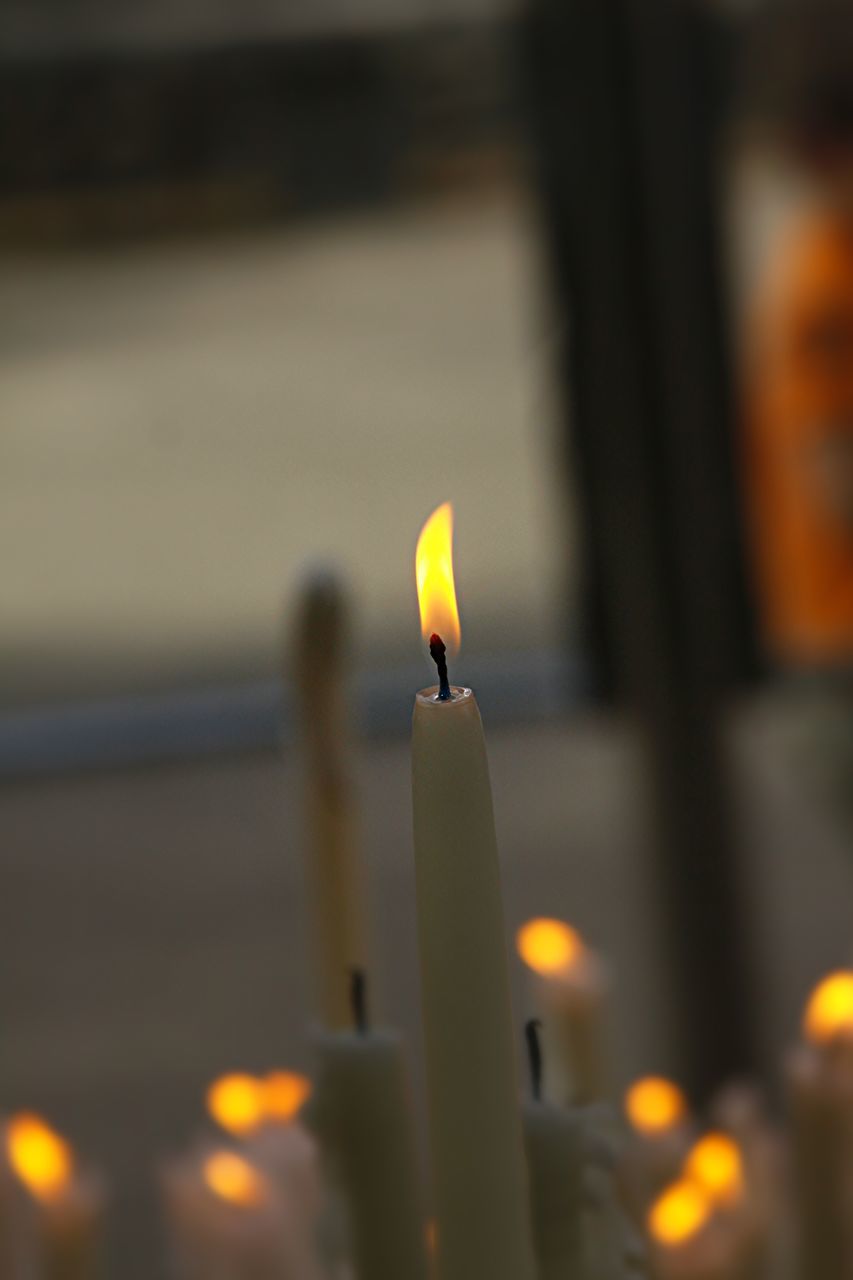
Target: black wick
{"points": [[534, 1055], [437, 651], [358, 1000]]}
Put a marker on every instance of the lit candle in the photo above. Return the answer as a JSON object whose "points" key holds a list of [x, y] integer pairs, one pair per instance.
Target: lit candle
{"points": [[228, 1221], [553, 1140], [571, 991], [685, 1243], [477, 1157], [67, 1202], [363, 1113], [659, 1126], [820, 1092], [334, 866]]}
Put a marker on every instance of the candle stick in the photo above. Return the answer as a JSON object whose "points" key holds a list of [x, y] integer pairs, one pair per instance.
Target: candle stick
{"points": [[363, 1113], [571, 991], [819, 1077], [477, 1157], [553, 1141], [67, 1202], [335, 873]]}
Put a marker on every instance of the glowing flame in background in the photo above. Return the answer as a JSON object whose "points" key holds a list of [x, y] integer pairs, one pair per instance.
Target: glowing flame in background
{"points": [[42, 1160], [549, 946], [434, 575], [829, 1012]]}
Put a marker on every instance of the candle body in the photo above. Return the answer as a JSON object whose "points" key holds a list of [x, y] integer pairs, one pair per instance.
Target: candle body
{"points": [[477, 1158], [364, 1115], [820, 1095], [553, 1141], [68, 1231], [573, 1007]]}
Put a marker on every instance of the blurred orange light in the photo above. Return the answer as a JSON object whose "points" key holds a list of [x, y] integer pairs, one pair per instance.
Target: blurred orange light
{"points": [[284, 1094], [715, 1164], [549, 946], [678, 1214], [236, 1102], [434, 574], [654, 1105], [232, 1178], [829, 1011], [40, 1157]]}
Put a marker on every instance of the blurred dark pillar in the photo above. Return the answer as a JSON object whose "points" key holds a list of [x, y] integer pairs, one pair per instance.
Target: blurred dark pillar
{"points": [[622, 101]]}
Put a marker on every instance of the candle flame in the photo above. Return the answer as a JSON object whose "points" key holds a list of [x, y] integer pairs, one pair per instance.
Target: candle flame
{"points": [[42, 1160], [715, 1164], [549, 946], [284, 1094], [679, 1213], [232, 1178], [236, 1102], [434, 574], [829, 1012], [654, 1106]]}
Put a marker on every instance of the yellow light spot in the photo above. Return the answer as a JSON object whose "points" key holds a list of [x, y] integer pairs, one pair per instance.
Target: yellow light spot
{"points": [[284, 1093], [715, 1164], [236, 1102], [434, 575], [232, 1178], [678, 1214], [40, 1157], [549, 946], [654, 1105], [829, 1012]]}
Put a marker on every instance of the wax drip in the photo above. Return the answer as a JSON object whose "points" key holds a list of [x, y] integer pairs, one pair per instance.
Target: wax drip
{"points": [[358, 1000], [534, 1056], [438, 651]]}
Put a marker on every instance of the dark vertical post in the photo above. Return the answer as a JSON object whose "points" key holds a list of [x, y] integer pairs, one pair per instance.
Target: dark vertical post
{"points": [[618, 101]]}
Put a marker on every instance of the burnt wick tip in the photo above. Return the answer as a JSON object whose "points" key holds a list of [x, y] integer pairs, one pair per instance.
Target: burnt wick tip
{"points": [[534, 1054], [358, 1000], [438, 652]]}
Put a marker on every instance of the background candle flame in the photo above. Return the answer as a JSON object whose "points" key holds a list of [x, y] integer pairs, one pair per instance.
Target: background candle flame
{"points": [[829, 1012], [284, 1094], [715, 1163], [236, 1102], [232, 1178], [654, 1105], [549, 946], [41, 1159], [434, 574], [679, 1213]]}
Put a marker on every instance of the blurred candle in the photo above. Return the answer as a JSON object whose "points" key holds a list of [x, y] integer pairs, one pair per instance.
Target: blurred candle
{"points": [[335, 873], [553, 1140], [659, 1135], [571, 991], [477, 1157], [364, 1115], [819, 1077], [67, 1202], [228, 1221]]}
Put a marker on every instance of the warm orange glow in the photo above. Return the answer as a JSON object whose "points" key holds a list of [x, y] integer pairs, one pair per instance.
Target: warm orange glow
{"points": [[678, 1214], [715, 1164], [232, 1178], [434, 573], [236, 1102], [41, 1159], [829, 1012], [284, 1093], [654, 1105], [548, 946]]}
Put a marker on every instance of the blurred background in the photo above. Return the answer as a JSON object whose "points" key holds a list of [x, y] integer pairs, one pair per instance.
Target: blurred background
{"points": [[278, 279]]}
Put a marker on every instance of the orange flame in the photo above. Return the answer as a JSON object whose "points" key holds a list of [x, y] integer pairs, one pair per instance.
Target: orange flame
{"points": [[232, 1178], [434, 574], [654, 1106], [715, 1164], [236, 1102], [829, 1012], [549, 946], [40, 1157], [679, 1213], [284, 1094]]}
